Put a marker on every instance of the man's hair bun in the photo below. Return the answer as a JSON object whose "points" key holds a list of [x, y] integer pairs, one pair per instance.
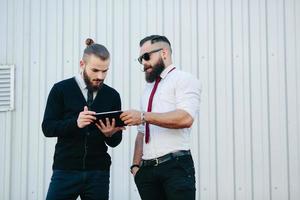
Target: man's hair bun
{"points": [[89, 42]]}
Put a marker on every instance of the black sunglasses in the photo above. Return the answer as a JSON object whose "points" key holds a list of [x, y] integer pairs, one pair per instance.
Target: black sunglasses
{"points": [[146, 56]]}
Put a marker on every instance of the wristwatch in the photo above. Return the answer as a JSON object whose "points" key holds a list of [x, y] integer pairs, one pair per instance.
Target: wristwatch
{"points": [[143, 121], [133, 166]]}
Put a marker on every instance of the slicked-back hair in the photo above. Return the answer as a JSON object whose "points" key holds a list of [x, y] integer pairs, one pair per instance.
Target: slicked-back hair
{"points": [[154, 39]]}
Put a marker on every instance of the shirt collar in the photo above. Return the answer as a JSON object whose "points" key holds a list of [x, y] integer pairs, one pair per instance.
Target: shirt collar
{"points": [[80, 81], [166, 71]]}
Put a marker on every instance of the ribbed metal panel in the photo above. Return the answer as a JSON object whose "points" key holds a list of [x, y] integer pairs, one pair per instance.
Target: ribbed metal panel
{"points": [[6, 87], [245, 144]]}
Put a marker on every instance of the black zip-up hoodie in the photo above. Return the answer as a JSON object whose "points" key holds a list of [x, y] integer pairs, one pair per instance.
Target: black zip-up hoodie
{"points": [[76, 148]]}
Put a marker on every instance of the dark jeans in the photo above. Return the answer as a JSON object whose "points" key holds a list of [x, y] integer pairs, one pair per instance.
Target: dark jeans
{"points": [[69, 184], [172, 180]]}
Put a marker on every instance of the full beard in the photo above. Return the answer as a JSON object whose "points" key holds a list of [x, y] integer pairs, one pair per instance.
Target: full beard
{"points": [[89, 83], [156, 71]]}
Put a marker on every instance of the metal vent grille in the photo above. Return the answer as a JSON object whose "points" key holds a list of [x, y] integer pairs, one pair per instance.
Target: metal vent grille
{"points": [[6, 87]]}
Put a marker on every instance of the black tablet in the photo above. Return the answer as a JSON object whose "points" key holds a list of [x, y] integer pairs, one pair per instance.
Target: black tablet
{"points": [[110, 115]]}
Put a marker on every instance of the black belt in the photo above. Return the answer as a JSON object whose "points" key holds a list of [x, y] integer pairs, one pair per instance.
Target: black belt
{"points": [[165, 158]]}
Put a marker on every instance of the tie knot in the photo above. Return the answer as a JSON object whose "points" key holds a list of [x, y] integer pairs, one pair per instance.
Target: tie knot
{"points": [[158, 79], [90, 91]]}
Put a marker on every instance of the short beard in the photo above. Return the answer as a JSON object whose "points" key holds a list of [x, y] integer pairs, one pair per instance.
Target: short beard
{"points": [[89, 83], [157, 69]]}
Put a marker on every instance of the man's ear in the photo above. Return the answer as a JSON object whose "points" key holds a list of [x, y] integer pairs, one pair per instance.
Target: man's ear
{"points": [[81, 63], [165, 53]]}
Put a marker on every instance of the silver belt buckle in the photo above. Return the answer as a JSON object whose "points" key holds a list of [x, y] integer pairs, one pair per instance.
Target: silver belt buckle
{"points": [[157, 161]]}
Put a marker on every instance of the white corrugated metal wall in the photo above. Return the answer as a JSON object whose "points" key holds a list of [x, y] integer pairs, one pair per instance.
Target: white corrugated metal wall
{"points": [[246, 142]]}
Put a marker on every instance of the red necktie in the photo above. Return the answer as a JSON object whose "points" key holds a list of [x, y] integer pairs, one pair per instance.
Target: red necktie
{"points": [[150, 105]]}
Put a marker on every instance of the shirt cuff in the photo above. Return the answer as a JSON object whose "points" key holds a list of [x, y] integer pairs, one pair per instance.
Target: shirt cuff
{"points": [[141, 128]]}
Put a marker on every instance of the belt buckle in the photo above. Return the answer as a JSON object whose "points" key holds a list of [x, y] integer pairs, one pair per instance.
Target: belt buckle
{"points": [[157, 161]]}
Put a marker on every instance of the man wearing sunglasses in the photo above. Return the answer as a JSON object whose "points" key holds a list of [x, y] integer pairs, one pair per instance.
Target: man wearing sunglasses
{"points": [[163, 167]]}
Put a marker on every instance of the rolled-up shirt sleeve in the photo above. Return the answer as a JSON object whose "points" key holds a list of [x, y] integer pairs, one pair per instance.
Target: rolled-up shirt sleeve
{"points": [[141, 128], [188, 93]]}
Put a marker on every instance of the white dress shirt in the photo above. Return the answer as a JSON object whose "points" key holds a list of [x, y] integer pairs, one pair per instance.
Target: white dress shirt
{"points": [[83, 87], [176, 90]]}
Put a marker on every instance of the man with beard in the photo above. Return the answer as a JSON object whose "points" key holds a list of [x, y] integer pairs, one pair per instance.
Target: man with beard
{"points": [[163, 167], [81, 162]]}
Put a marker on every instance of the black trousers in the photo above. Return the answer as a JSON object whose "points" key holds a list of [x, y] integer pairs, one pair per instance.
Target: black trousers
{"points": [[171, 180], [69, 184]]}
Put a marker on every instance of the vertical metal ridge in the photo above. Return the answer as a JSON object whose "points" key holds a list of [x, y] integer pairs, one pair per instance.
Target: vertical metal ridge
{"points": [[129, 104], [7, 29], [96, 21], [250, 100], [79, 28], [3, 187], [27, 99], [286, 101], [173, 8], [19, 128], [72, 36], [57, 44], [129, 52], [268, 100], [45, 89], [208, 86], [8, 145], [39, 102], [90, 16], [233, 102], [112, 77], [129, 88], [215, 99], [112, 40], [30, 70], [180, 34], [198, 76], [10, 117], [163, 16], [297, 72], [61, 46], [147, 13]]}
